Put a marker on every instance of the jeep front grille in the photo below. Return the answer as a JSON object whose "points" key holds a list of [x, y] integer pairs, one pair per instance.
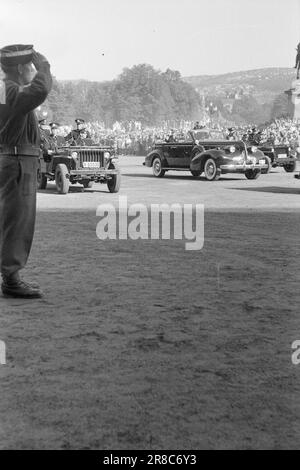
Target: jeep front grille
{"points": [[91, 155]]}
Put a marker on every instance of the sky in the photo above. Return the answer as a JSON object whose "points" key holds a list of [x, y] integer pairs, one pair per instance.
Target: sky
{"points": [[96, 39]]}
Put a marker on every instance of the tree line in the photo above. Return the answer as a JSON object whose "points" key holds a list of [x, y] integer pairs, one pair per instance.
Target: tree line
{"points": [[140, 93], [150, 96]]}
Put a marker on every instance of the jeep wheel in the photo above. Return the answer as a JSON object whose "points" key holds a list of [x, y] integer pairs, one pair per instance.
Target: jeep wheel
{"points": [[41, 180], [252, 174], [88, 184], [157, 168], [290, 167], [211, 171], [61, 178], [196, 173], [114, 183]]}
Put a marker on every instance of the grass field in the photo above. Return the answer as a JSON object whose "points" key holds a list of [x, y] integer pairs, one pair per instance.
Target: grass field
{"points": [[143, 345]]}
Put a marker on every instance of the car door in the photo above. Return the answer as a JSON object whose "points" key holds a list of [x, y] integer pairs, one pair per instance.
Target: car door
{"points": [[179, 155]]}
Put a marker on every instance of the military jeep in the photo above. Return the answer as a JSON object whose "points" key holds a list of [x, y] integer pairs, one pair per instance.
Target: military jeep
{"points": [[79, 164]]}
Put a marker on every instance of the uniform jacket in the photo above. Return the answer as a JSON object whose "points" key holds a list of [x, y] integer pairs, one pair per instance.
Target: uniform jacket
{"points": [[18, 122]]}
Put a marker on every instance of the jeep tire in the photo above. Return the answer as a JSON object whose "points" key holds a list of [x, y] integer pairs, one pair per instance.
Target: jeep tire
{"points": [[61, 178], [41, 180], [114, 182]]}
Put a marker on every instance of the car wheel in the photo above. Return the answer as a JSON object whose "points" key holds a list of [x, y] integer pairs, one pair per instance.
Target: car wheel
{"points": [[61, 178], [211, 170], [41, 180], [87, 184], [269, 163], [196, 173], [157, 168], [291, 167], [114, 183], [252, 174]]}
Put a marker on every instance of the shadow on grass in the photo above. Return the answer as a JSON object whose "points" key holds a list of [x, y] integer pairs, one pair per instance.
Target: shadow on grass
{"points": [[180, 177], [271, 189]]}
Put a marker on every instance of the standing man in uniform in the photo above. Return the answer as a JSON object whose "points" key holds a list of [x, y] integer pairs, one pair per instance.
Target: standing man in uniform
{"points": [[77, 136], [27, 83], [54, 126]]}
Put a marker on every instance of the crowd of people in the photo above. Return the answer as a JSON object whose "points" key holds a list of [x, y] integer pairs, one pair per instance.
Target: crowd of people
{"points": [[131, 138]]}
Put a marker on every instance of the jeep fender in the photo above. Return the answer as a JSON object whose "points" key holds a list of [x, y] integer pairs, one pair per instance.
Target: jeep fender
{"points": [[199, 159], [69, 162]]}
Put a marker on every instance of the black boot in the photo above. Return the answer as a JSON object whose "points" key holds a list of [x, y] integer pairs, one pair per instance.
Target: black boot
{"points": [[13, 286]]}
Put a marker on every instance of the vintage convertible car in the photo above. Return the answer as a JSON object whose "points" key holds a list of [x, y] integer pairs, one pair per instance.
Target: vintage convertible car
{"points": [[207, 152], [280, 155]]}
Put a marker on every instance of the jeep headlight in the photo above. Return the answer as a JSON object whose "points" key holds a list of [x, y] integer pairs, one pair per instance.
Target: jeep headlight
{"points": [[74, 155], [106, 155], [253, 149], [232, 149]]}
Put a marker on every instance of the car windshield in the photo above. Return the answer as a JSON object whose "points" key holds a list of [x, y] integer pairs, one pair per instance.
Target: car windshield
{"points": [[208, 135], [217, 135], [201, 135]]}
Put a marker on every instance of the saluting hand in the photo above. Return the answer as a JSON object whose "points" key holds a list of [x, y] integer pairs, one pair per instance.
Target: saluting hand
{"points": [[38, 59]]}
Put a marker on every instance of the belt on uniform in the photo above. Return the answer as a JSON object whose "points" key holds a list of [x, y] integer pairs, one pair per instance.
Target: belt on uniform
{"points": [[29, 150]]}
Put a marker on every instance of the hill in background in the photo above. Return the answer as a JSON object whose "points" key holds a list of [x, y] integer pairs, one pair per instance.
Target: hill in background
{"points": [[252, 96], [263, 84]]}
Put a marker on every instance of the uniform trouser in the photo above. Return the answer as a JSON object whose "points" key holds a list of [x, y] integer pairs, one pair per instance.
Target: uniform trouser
{"points": [[17, 211]]}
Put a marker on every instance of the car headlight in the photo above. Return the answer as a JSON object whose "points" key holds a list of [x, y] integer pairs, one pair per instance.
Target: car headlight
{"points": [[253, 149], [232, 149], [106, 155], [74, 155]]}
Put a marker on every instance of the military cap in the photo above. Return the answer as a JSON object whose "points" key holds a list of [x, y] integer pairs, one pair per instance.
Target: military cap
{"points": [[54, 125], [79, 121], [16, 54]]}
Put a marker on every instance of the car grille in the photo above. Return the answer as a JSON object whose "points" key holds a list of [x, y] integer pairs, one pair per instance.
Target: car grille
{"points": [[91, 156], [281, 150]]}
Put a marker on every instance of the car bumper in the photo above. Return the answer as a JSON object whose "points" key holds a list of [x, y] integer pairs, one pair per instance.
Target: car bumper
{"points": [[231, 167], [91, 172], [284, 161]]}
